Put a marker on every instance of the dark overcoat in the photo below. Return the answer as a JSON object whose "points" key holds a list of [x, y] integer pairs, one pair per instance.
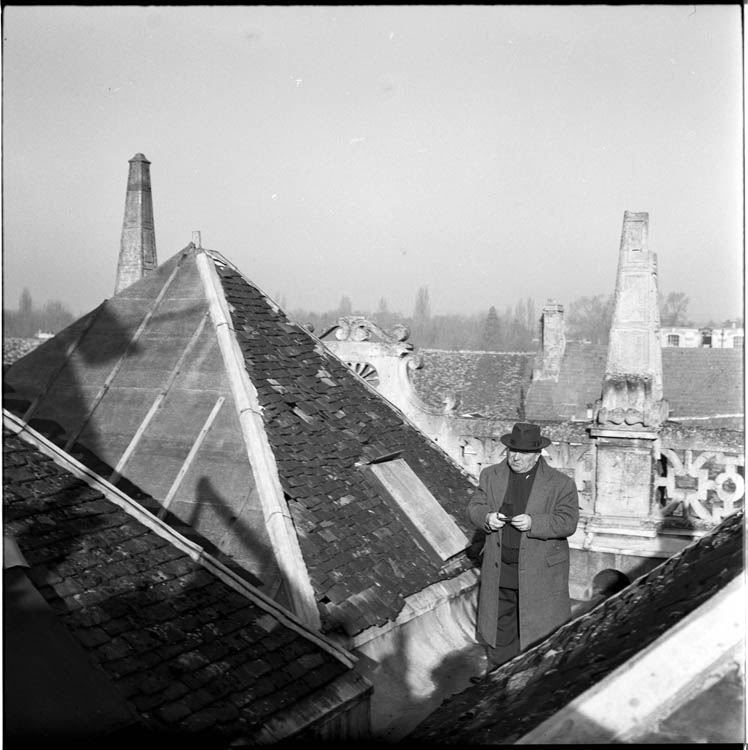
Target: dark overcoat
{"points": [[543, 566]]}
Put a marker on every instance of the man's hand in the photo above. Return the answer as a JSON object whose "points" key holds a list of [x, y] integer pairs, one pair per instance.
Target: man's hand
{"points": [[522, 522], [494, 522]]}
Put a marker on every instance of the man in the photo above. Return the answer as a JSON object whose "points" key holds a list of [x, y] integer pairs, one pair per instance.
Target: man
{"points": [[527, 510]]}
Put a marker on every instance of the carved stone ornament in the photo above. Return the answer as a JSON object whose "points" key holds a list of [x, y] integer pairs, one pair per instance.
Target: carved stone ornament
{"points": [[627, 402], [366, 371], [359, 328]]}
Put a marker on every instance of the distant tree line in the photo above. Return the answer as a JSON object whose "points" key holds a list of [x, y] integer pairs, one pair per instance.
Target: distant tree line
{"points": [[27, 320], [517, 328]]}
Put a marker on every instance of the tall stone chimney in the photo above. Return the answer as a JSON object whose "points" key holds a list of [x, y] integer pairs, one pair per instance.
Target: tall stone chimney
{"points": [[632, 386], [552, 342], [137, 254], [631, 410]]}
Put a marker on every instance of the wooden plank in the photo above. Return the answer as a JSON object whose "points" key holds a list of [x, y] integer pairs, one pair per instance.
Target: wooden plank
{"points": [[133, 339], [117, 473], [412, 496], [190, 457]]}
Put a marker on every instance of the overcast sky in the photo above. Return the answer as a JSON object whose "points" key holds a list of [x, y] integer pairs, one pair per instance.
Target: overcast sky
{"points": [[487, 152]]}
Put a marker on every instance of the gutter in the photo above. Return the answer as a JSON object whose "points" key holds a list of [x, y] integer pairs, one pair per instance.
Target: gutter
{"points": [[419, 604]]}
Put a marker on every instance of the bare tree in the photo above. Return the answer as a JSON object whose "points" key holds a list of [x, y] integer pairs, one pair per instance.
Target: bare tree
{"points": [[54, 317], [422, 310], [492, 340], [673, 310], [26, 322], [346, 306], [590, 318]]}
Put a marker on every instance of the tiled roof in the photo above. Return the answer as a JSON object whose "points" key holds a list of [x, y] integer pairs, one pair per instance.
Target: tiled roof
{"points": [[703, 382], [137, 382], [521, 694], [14, 348], [580, 383], [187, 651], [322, 422], [494, 385], [698, 383], [487, 384]]}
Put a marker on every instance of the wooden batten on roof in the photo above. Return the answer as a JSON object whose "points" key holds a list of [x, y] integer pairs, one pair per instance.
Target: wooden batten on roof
{"points": [[442, 537], [132, 342], [156, 405], [278, 521]]}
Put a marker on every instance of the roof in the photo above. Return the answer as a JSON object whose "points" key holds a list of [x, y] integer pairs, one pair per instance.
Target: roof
{"points": [[521, 694], [487, 384], [579, 385], [196, 388], [172, 641], [15, 347], [322, 422], [703, 386], [702, 383]]}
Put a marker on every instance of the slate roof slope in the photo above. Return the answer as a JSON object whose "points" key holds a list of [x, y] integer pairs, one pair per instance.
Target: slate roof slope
{"points": [[187, 651], [580, 384], [704, 383], [137, 381], [497, 385], [521, 694], [323, 422], [488, 384]]}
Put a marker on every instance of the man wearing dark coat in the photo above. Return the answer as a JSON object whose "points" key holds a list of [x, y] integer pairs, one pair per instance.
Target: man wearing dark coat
{"points": [[527, 510]]}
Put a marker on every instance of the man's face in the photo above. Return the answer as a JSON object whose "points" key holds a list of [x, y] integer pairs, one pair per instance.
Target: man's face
{"points": [[521, 463]]}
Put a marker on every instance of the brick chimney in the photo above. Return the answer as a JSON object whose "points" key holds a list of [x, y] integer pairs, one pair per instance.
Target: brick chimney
{"points": [[137, 254], [552, 342]]}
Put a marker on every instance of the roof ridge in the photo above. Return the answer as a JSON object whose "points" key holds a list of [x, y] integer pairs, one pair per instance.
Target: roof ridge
{"points": [[221, 259], [277, 517]]}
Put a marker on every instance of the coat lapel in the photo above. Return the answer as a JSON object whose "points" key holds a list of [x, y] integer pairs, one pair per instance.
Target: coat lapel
{"points": [[502, 480], [537, 493], [535, 502]]}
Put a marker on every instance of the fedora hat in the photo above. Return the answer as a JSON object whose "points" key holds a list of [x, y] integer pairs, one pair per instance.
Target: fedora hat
{"points": [[525, 438]]}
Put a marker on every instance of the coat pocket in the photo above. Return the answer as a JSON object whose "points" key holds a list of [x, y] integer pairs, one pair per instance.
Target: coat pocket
{"points": [[556, 558]]}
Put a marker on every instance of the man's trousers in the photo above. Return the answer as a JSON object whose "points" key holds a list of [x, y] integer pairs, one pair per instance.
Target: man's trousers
{"points": [[507, 629]]}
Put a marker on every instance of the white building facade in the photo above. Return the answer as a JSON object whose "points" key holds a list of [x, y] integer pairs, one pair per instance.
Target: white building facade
{"points": [[709, 338]]}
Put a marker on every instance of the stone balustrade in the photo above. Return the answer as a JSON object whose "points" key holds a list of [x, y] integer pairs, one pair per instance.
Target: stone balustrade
{"points": [[692, 488]]}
